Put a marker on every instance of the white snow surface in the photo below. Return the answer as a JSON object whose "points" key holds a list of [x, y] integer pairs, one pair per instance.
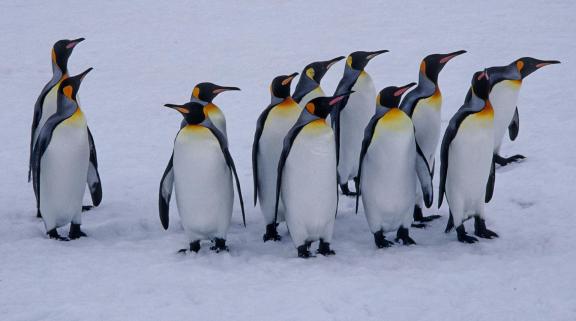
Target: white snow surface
{"points": [[147, 53]]}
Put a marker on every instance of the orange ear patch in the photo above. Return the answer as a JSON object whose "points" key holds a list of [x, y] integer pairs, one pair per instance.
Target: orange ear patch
{"points": [[68, 91], [520, 65], [310, 108], [196, 92]]}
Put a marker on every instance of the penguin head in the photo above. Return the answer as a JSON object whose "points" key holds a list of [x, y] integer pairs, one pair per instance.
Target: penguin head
{"points": [[61, 51], [318, 69], [481, 84], [389, 97], [69, 87], [432, 65], [193, 112], [322, 106], [528, 65], [207, 91], [359, 59], [280, 87]]}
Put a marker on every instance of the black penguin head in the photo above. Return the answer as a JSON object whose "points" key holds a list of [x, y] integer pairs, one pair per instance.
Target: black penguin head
{"points": [[389, 97], [280, 87], [481, 84], [61, 52], [528, 65], [193, 112], [318, 69], [432, 65], [322, 106], [359, 59], [207, 91], [69, 87]]}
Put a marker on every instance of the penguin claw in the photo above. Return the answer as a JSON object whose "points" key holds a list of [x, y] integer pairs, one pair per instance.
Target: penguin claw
{"points": [[303, 250], [429, 218], [480, 229], [503, 161], [53, 235], [86, 208], [271, 233], [419, 225], [380, 241], [463, 237], [182, 251], [219, 245], [404, 235], [324, 249], [75, 232]]}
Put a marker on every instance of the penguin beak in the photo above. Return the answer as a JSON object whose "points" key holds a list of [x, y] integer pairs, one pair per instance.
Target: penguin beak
{"points": [[375, 53], [449, 56], [222, 88], [403, 89], [337, 98], [331, 62], [179, 108], [73, 43], [289, 79], [82, 75], [546, 63]]}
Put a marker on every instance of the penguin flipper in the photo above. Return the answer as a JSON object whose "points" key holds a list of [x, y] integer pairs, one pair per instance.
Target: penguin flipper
{"points": [[255, 146], [166, 186], [424, 176], [514, 126], [368, 133], [491, 181], [229, 161], [304, 119], [422, 91], [93, 180]]}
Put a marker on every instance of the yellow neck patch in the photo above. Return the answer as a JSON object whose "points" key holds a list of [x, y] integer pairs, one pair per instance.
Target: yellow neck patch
{"points": [[211, 109], [316, 126], [77, 119], [394, 120]]}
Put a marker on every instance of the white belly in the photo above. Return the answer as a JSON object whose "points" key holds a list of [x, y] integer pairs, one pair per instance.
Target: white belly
{"points": [[203, 184], [309, 189], [277, 125], [318, 92], [504, 98], [388, 181], [63, 172], [469, 163], [48, 109], [427, 120], [353, 120]]}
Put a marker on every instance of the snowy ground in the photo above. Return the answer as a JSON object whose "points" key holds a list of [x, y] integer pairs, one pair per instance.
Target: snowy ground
{"points": [[148, 53]]}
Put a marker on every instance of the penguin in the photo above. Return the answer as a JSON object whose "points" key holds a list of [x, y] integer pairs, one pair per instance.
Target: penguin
{"points": [[466, 165], [61, 161], [424, 105], [308, 86], [203, 93], [46, 106], [200, 170], [506, 82], [390, 161], [271, 128], [353, 114], [306, 179]]}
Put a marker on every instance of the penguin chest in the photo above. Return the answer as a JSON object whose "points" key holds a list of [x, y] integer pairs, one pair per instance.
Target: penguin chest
{"points": [[388, 178], [470, 160], [203, 183], [317, 92], [309, 181], [217, 117], [427, 120], [504, 98], [353, 120], [63, 171]]}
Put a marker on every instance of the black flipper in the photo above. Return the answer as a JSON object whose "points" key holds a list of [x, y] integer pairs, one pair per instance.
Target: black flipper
{"points": [[424, 90], [491, 181], [94, 183], [424, 176], [344, 86], [166, 186], [255, 146], [304, 119], [514, 126]]}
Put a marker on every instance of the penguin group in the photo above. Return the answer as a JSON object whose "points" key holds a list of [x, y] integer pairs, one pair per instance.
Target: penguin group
{"points": [[307, 148]]}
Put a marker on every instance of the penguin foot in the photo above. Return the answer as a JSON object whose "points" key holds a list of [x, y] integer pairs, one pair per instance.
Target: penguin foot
{"points": [[75, 232], [404, 235], [304, 250], [86, 208], [38, 214], [381, 241], [480, 229], [219, 245], [463, 237], [194, 247], [419, 217], [419, 225], [346, 190], [324, 249], [271, 233], [503, 161], [53, 234]]}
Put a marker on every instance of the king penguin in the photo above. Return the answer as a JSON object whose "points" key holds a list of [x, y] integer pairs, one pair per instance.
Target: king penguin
{"points": [[271, 128], [308, 86], [466, 166], [505, 86], [306, 180], [203, 93], [353, 114], [61, 162], [390, 161], [424, 106], [200, 169]]}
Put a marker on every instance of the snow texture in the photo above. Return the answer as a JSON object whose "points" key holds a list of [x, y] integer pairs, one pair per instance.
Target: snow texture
{"points": [[148, 53]]}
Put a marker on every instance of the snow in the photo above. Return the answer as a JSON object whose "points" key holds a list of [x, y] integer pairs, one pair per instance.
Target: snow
{"points": [[148, 53]]}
